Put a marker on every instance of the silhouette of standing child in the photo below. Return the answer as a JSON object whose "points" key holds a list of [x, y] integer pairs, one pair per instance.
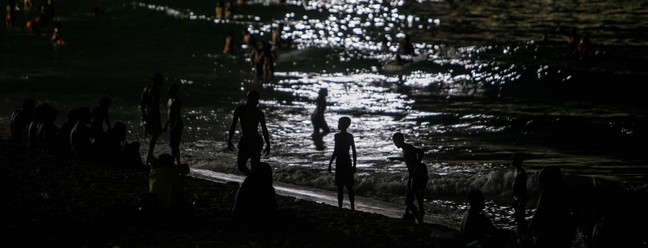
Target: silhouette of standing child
{"points": [[319, 122], [174, 121], [520, 196], [343, 168], [412, 157]]}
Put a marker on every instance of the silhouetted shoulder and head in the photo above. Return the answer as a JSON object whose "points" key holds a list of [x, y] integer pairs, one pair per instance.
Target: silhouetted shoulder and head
{"points": [[344, 123], [476, 200]]}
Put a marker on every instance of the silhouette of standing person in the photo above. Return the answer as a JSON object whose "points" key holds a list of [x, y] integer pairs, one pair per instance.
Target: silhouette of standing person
{"points": [[249, 40], [150, 109], [20, 119], [520, 196], [412, 157], [220, 8], [344, 170], [276, 36], [319, 122], [9, 18], [251, 143], [553, 222], [47, 12], [229, 42], [263, 58], [174, 121], [405, 46], [384, 45]]}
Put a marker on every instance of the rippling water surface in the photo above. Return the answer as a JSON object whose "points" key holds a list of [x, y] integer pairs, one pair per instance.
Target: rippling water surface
{"points": [[487, 85]]}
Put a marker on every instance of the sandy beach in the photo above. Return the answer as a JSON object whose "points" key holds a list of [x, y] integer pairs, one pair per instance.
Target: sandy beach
{"points": [[50, 201], [485, 87]]}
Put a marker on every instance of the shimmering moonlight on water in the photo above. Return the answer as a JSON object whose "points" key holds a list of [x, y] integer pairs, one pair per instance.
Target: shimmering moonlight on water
{"points": [[489, 86]]}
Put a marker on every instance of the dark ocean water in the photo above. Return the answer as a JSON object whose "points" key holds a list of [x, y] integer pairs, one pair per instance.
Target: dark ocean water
{"points": [[489, 85]]}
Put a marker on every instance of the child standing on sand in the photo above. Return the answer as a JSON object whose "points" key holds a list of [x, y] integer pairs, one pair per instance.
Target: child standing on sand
{"points": [[343, 169]]}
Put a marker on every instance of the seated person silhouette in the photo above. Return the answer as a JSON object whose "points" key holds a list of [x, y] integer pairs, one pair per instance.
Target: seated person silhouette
{"points": [[47, 130], [65, 130], [39, 114], [609, 228], [98, 117], [80, 136], [121, 152], [20, 119], [553, 222], [165, 183], [256, 199], [477, 230]]}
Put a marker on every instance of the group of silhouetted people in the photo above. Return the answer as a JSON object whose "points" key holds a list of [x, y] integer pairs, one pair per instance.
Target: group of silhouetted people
{"points": [[555, 221], [251, 145], [34, 20], [553, 224], [86, 134], [262, 53], [89, 134]]}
